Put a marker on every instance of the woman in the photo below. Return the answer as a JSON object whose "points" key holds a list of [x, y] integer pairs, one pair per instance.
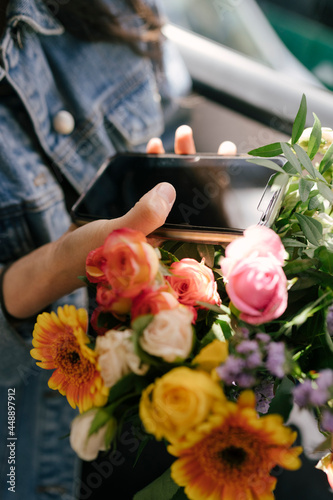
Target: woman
{"points": [[79, 80]]}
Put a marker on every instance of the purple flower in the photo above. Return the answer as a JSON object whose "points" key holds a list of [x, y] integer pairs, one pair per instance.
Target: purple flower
{"points": [[230, 370], [251, 350], [327, 421], [233, 371], [263, 337], [246, 380], [276, 359], [302, 394], [325, 380], [264, 394], [315, 392]]}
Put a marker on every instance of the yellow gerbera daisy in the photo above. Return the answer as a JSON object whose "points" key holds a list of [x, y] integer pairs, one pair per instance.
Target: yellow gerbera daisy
{"points": [[60, 343], [230, 456]]}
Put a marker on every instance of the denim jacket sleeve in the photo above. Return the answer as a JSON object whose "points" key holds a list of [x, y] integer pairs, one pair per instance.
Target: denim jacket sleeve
{"points": [[118, 102]]}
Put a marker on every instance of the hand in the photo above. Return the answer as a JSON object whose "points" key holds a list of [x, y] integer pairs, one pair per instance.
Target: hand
{"points": [[52, 270]]}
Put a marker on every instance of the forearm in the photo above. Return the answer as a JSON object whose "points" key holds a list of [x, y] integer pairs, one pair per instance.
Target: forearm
{"points": [[49, 272], [52, 271], [35, 281]]}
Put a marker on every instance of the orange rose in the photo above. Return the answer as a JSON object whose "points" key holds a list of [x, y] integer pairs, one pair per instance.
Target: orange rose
{"points": [[109, 301], [94, 262], [193, 282], [131, 264], [151, 301]]}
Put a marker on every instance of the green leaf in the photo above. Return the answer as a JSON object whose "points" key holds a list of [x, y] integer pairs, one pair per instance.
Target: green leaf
{"points": [[291, 157], [325, 191], [102, 417], [326, 162], [315, 202], [110, 432], [289, 169], [268, 163], [141, 322], [225, 327], [315, 138], [300, 121], [307, 163], [213, 307], [303, 315], [305, 187], [290, 242], [325, 279], [187, 250], [282, 402], [298, 266], [124, 386], [166, 256], [207, 252], [270, 150], [311, 228], [180, 495], [163, 488], [326, 258]]}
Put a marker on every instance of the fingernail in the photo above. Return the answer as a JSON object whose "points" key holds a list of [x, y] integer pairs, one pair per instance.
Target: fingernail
{"points": [[167, 192]]}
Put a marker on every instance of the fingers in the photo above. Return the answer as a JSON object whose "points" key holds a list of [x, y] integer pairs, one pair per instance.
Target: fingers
{"points": [[184, 143], [227, 148], [155, 146], [150, 211]]}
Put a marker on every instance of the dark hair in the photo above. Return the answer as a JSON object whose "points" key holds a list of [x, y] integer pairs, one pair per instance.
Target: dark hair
{"points": [[93, 20]]}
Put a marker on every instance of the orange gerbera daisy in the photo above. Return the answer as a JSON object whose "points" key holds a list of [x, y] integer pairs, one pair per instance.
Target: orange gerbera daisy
{"points": [[60, 343], [230, 456]]}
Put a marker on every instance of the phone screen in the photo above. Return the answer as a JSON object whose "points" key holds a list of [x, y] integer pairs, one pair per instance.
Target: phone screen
{"points": [[213, 192]]}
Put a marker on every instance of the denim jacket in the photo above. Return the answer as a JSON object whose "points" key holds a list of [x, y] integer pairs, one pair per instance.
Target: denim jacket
{"points": [[118, 101]]}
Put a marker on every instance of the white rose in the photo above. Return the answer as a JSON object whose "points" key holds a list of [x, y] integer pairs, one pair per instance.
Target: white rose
{"points": [[85, 446], [169, 335], [116, 356]]}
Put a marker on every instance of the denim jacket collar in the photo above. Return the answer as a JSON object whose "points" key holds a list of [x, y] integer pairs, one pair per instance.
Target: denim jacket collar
{"points": [[34, 13]]}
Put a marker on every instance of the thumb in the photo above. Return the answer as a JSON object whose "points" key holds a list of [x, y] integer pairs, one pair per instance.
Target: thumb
{"points": [[151, 210]]}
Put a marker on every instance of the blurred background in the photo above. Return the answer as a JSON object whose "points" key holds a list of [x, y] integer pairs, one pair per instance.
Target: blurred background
{"points": [[250, 62]]}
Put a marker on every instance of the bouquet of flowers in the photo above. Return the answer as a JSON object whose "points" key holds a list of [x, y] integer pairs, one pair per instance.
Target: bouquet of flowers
{"points": [[210, 347]]}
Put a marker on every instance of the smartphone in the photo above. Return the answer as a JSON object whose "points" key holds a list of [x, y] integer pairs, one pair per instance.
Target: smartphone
{"points": [[217, 198]]}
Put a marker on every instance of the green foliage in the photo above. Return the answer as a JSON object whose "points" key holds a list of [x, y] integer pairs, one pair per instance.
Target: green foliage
{"points": [[300, 121], [315, 138], [283, 402], [163, 488], [311, 228]]}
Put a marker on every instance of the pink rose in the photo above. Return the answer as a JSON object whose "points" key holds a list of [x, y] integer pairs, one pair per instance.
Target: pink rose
{"points": [[131, 264], [193, 281], [258, 241], [257, 286], [152, 301]]}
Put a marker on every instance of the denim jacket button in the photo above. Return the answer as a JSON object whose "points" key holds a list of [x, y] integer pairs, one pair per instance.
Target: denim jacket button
{"points": [[63, 122]]}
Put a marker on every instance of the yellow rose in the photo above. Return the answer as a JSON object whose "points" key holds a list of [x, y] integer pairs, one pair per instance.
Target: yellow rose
{"points": [[212, 355], [178, 402]]}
